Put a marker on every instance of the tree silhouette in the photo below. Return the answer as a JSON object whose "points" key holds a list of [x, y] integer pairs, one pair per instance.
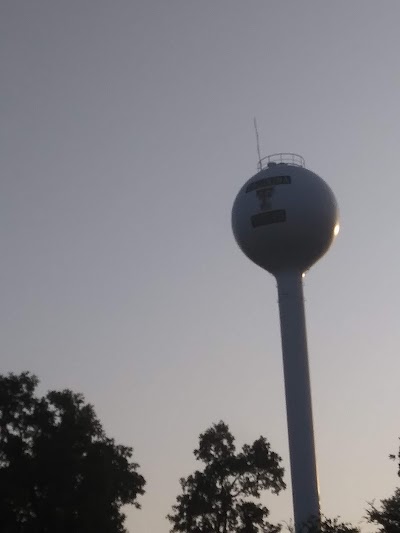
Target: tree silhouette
{"points": [[387, 517], [222, 498], [328, 525], [59, 472]]}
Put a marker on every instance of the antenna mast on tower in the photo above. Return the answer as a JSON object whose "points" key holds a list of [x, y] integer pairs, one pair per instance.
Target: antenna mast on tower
{"points": [[258, 144]]}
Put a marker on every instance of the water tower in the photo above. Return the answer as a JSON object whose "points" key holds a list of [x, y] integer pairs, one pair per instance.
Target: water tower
{"points": [[284, 219]]}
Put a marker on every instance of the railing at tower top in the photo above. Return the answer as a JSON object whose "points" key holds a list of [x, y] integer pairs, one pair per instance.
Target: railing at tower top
{"points": [[281, 159]]}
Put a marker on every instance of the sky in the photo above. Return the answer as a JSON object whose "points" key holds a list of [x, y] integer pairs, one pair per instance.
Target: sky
{"points": [[126, 133]]}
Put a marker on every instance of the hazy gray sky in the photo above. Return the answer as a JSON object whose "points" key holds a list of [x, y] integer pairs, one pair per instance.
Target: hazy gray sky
{"points": [[126, 132]]}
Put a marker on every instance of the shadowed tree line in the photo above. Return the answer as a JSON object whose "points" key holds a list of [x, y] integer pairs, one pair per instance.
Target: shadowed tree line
{"points": [[223, 497], [60, 472]]}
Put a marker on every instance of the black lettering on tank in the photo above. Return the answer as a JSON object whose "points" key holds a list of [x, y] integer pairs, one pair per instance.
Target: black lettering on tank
{"points": [[268, 182]]}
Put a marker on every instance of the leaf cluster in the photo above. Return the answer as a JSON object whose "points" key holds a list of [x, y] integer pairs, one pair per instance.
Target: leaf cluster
{"points": [[387, 515], [58, 469], [222, 497], [328, 525]]}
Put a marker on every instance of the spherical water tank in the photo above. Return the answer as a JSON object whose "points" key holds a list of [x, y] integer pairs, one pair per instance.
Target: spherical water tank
{"points": [[285, 217]]}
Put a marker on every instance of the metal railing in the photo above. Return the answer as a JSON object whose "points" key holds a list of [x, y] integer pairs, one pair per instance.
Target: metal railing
{"points": [[283, 159]]}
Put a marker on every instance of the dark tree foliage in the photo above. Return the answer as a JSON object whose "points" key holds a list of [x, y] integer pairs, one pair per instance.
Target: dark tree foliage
{"points": [[328, 525], [387, 516], [59, 472], [222, 498]]}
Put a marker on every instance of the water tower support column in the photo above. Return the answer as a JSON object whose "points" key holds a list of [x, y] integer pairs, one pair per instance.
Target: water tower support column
{"points": [[298, 398]]}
